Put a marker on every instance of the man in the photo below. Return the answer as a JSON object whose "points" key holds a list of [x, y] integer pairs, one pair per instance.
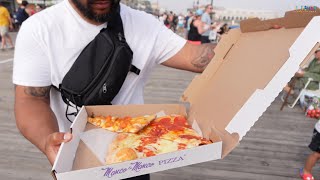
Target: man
{"points": [[50, 41], [186, 25], [196, 28], [39, 8], [313, 71], [5, 24], [302, 76], [206, 19], [22, 15]]}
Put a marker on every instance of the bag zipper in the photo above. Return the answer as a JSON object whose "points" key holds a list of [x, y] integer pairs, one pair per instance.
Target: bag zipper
{"points": [[101, 70], [108, 72]]}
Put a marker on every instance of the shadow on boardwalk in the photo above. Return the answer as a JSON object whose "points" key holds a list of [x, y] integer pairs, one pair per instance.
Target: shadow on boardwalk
{"points": [[274, 148]]}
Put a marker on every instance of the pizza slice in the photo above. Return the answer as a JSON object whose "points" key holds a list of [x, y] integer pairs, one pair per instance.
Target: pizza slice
{"points": [[125, 124], [174, 128], [127, 146]]}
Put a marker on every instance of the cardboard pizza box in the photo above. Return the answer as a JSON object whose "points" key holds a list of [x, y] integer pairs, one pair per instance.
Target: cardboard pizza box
{"points": [[250, 68]]}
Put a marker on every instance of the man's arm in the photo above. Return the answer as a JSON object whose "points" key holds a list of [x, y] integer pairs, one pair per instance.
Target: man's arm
{"points": [[191, 57], [36, 121], [201, 27]]}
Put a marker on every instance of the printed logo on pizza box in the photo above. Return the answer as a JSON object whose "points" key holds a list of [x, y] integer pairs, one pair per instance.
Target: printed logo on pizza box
{"points": [[138, 166]]}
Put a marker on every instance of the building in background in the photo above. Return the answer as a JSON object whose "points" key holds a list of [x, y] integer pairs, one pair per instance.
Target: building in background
{"points": [[143, 5], [234, 16], [46, 3]]}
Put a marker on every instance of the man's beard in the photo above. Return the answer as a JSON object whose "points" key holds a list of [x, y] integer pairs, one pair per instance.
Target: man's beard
{"points": [[88, 13]]}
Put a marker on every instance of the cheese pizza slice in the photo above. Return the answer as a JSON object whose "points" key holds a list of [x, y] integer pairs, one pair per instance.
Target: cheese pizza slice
{"points": [[125, 124], [127, 146]]}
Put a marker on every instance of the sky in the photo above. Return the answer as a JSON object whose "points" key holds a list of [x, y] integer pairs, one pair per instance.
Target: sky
{"points": [[180, 6]]}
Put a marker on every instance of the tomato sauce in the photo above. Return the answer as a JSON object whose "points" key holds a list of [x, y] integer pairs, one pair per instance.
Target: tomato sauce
{"points": [[190, 137], [140, 148], [127, 118], [123, 123], [169, 125], [150, 153], [158, 131], [148, 140], [182, 146]]}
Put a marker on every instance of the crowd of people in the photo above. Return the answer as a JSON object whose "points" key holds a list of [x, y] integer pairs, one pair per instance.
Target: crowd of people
{"points": [[198, 26], [24, 11], [13, 21]]}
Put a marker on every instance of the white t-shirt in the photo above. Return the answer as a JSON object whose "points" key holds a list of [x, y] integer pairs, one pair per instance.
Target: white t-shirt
{"points": [[50, 41]]}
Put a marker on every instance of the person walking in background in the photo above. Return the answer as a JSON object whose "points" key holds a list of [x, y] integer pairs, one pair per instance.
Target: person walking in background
{"points": [[223, 29], [189, 20], [306, 172], [39, 8], [206, 19], [196, 28], [5, 24], [22, 15], [312, 71], [172, 23], [164, 18], [302, 76], [30, 9], [180, 25], [186, 25]]}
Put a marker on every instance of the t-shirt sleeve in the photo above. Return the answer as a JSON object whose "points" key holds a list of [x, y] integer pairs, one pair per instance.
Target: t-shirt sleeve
{"points": [[167, 44], [31, 65], [150, 38]]}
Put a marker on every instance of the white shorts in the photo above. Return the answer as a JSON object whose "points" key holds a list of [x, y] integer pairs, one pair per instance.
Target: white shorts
{"points": [[4, 30]]}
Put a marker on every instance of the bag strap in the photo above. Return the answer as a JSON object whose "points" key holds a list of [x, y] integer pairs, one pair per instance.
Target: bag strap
{"points": [[116, 26]]}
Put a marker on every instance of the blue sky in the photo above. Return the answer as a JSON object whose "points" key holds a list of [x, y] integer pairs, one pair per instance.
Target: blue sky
{"points": [[274, 5]]}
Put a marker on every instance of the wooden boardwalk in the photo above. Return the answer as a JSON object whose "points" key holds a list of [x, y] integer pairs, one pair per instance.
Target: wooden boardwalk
{"points": [[274, 149]]}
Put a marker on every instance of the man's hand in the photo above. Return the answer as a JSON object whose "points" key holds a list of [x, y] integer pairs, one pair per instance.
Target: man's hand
{"points": [[299, 74], [53, 143]]}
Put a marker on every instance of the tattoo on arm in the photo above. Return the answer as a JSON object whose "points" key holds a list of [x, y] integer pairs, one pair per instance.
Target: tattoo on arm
{"points": [[204, 56], [42, 92]]}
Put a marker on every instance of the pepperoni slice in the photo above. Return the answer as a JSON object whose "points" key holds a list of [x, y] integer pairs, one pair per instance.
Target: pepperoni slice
{"points": [[169, 125], [181, 121], [158, 131], [190, 137]]}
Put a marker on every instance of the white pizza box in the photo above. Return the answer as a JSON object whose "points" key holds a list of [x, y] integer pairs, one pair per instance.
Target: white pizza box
{"points": [[250, 68]]}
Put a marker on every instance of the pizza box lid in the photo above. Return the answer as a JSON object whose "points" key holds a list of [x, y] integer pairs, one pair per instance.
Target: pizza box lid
{"points": [[250, 68]]}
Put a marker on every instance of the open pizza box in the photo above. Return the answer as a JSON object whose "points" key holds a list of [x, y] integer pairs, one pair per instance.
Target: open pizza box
{"points": [[250, 68]]}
